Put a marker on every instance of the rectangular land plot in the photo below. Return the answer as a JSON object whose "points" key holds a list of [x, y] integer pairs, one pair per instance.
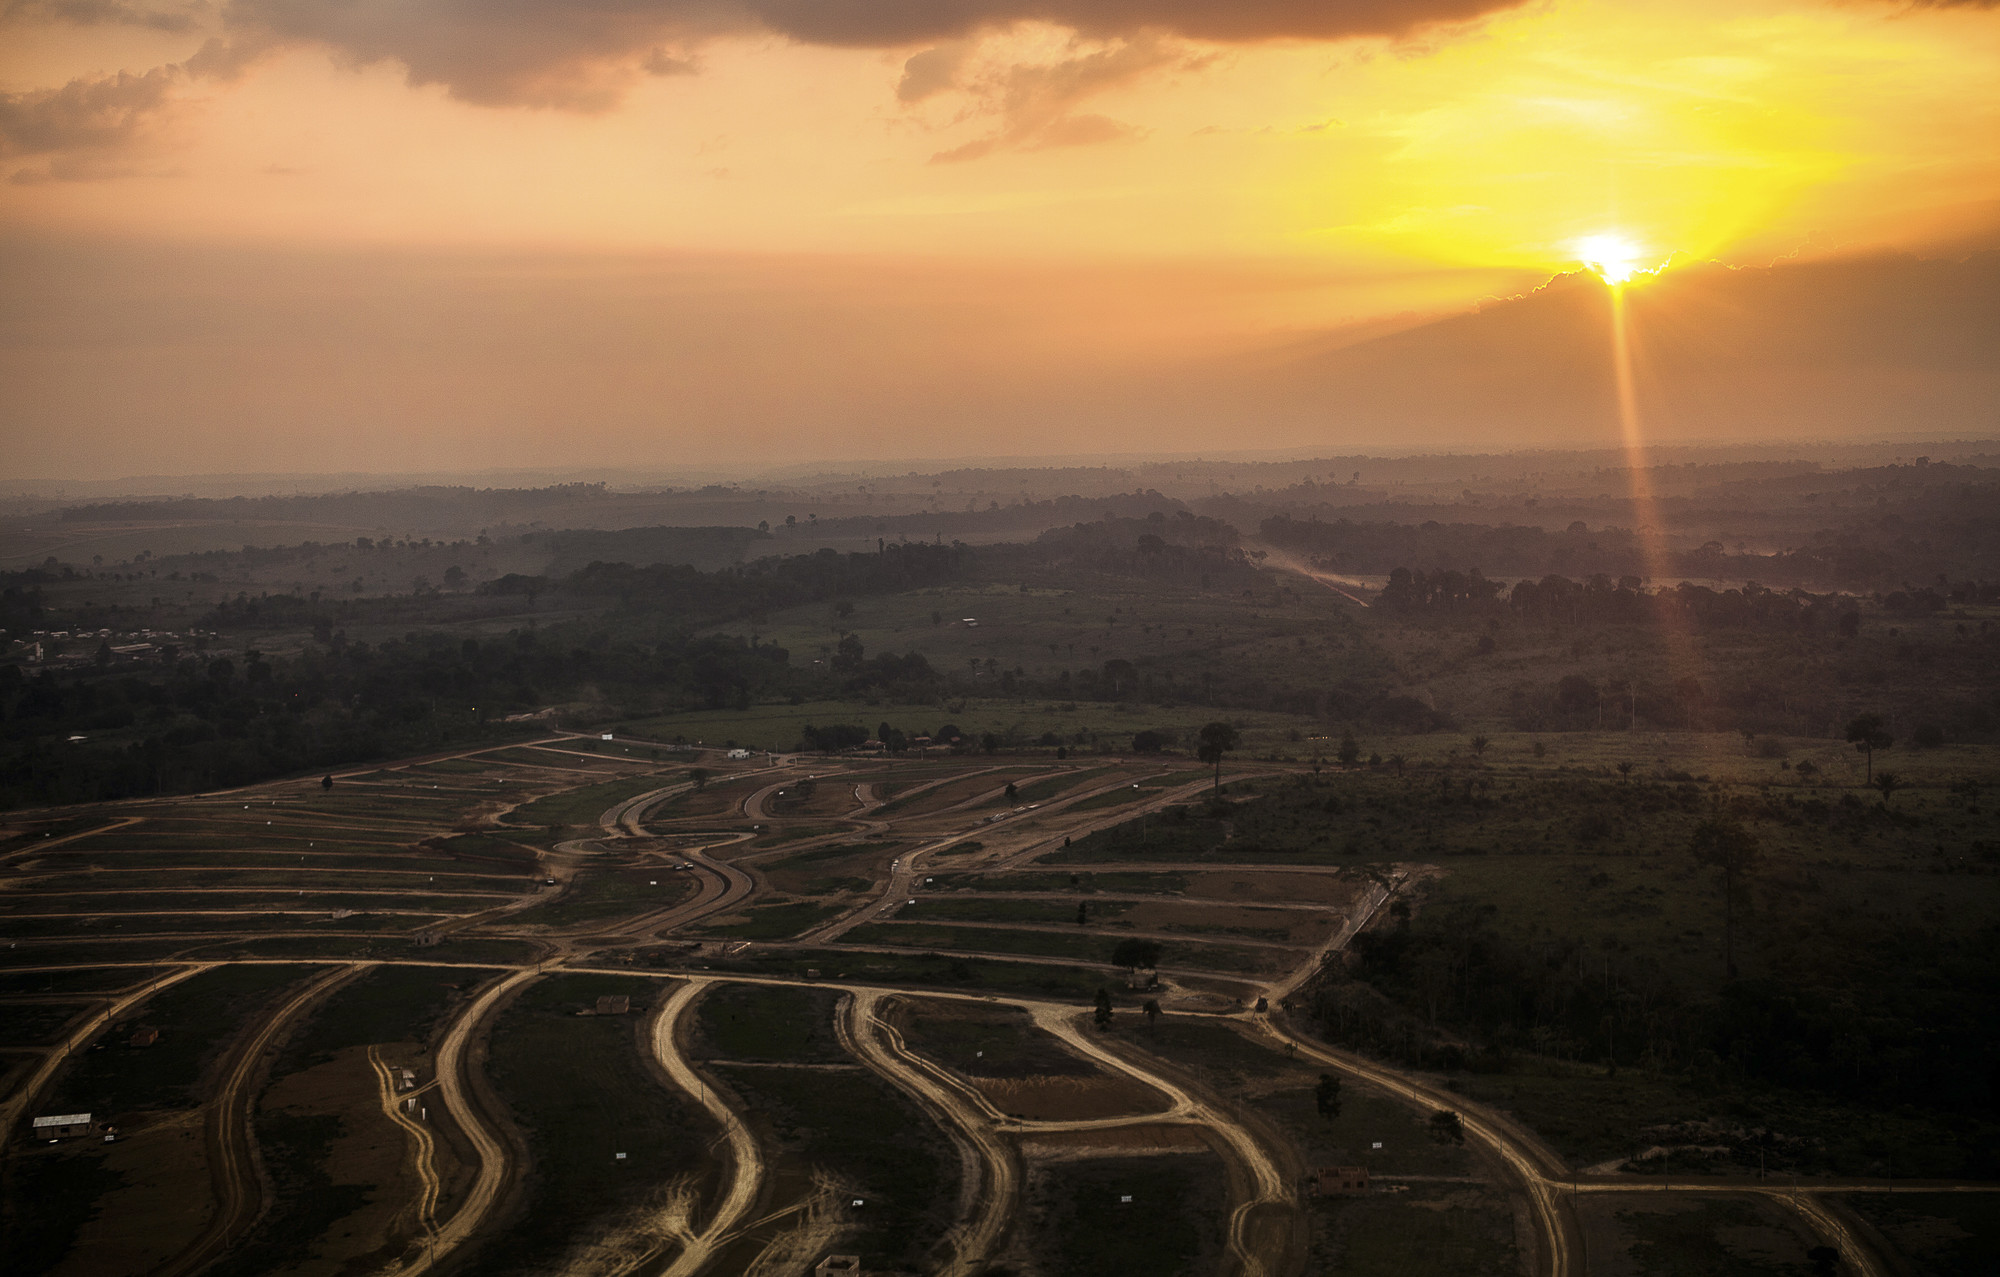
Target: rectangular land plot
{"points": [[582, 1090], [1114, 1217]]}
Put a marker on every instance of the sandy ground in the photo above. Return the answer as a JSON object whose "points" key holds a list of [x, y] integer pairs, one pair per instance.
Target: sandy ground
{"points": [[1117, 1141], [1069, 1099]]}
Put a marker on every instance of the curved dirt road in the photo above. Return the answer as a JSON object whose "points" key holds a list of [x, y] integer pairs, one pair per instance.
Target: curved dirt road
{"points": [[495, 1166], [746, 1160], [238, 1185], [990, 1180], [30, 1091]]}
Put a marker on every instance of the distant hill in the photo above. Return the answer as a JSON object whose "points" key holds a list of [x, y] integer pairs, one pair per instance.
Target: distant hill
{"points": [[1861, 346]]}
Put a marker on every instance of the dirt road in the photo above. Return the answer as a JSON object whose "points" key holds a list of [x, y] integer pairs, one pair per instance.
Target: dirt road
{"points": [[989, 1174], [495, 1165], [746, 1160], [234, 1174], [30, 1091]]}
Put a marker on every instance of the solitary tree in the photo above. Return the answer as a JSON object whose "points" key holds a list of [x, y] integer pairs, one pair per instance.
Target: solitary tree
{"points": [[1889, 783], [1082, 913], [1725, 845], [699, 775], [1136, 955], [1479, 744], [1447, 1127], [1103, 1012], [1350, 750], [1152, 1013], [1326, 1096], [1012, 792], [1625, 769], [326, 782], [1217, 739], [1867, 733]]}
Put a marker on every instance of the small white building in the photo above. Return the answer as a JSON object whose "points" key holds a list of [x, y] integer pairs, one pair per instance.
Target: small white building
{"points": [[62, 1126]]}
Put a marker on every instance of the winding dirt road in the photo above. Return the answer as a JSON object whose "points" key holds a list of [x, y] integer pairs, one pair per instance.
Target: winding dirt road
{"points": [[237, 1183], [746, 1160]]}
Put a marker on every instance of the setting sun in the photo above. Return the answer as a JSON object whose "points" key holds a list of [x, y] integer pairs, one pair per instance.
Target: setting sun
{"points": [[1613, 257]]}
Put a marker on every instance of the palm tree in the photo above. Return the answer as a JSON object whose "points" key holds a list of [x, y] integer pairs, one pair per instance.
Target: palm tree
{"points": [[1723, 844], [1889, 783], [1217, 739]]}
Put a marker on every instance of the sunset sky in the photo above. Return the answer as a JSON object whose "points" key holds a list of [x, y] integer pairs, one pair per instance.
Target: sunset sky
{"points": [[272, 235]]}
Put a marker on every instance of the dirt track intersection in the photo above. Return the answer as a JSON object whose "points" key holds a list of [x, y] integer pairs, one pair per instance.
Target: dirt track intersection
{"points": [[566, 1006]]}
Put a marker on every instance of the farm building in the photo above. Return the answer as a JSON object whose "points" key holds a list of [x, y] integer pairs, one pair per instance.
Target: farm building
{"points": [[613, 1004], [62, 1126], [144, 1037], [1329, 1181]]}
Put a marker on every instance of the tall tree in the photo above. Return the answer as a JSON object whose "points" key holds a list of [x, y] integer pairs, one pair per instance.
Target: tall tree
{"points": [[1326, 1096], [1103, 1013], [1868, 735], [1723, 844], [1217, 739]]}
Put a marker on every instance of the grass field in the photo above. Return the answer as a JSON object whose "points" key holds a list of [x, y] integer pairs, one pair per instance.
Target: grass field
{"points": [[1945, 1234], [985, 1040], [1427, 1231], [578, 809], [1084, 947], [197, 1019], [580, 1195], [923, 969], [771, 922], [1112, 1217], [875, 1142], [774, 1023]]}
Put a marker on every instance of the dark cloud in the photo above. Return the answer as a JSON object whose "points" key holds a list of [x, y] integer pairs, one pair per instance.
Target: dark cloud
{"points": [[83, 115], [87, 13], [888, 23], [583, 54]]}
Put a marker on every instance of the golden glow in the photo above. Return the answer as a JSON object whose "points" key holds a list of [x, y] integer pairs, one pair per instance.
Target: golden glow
{"points": [[1613, 257]]}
